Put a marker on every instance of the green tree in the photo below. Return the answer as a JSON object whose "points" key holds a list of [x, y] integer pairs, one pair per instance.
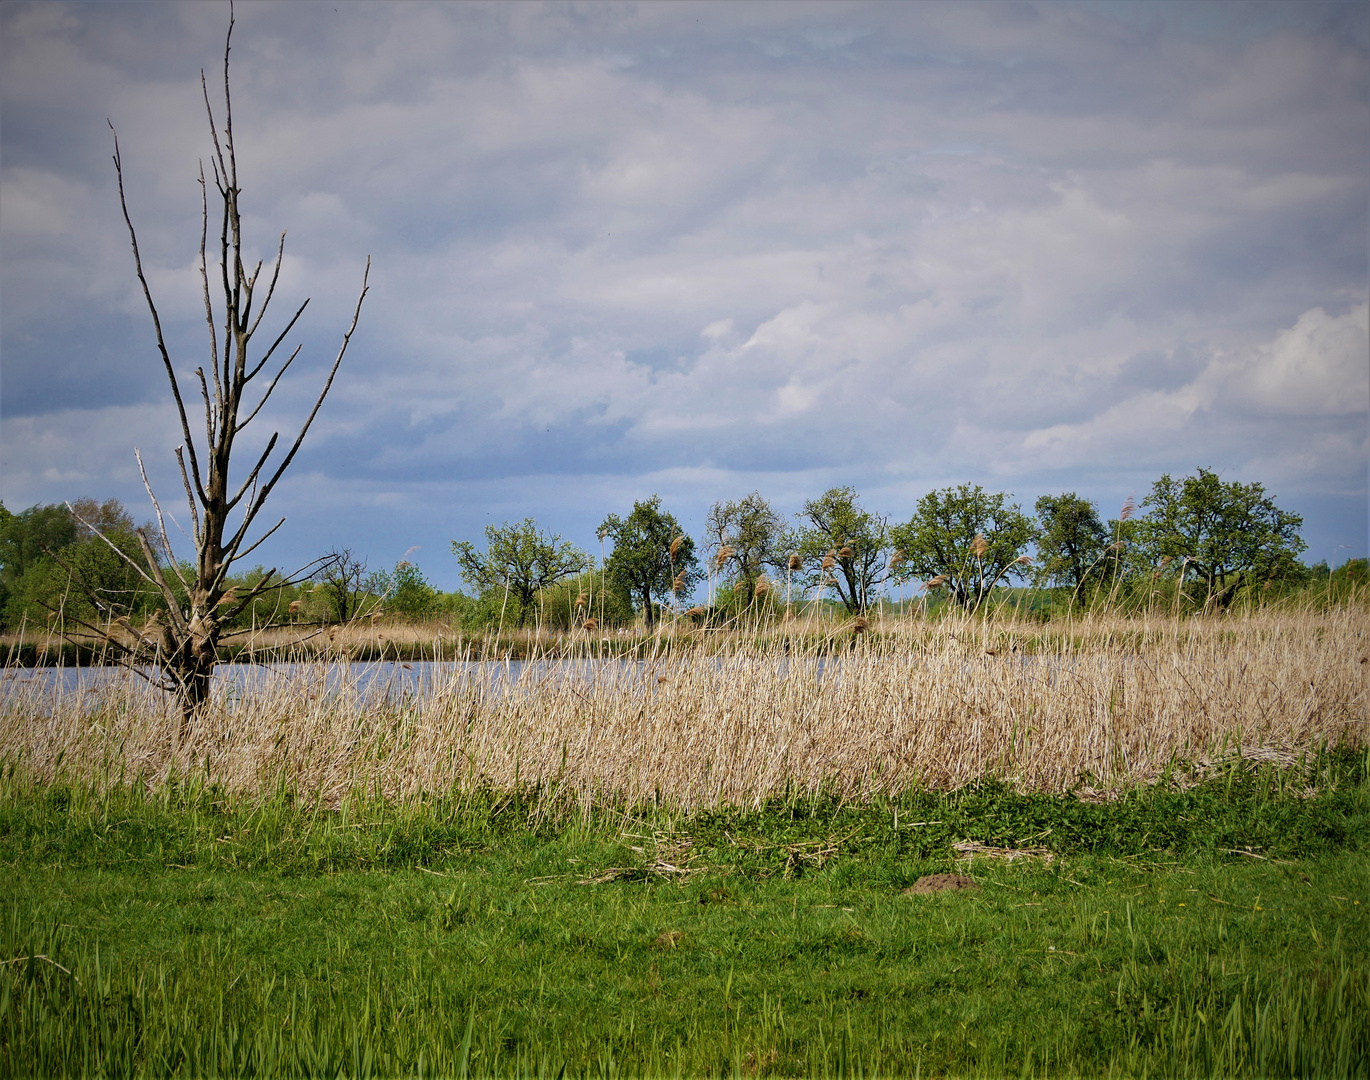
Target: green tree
{"points": [[968, 538], [745, 536], [842, 545], [404, 591], [573, 601], [25, 537], [520, 560], [81, 562], [1223, 535], [652, 555], [1072, 541]]}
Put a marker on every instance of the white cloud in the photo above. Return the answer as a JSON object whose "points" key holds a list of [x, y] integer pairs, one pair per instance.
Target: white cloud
{"points": [[1318, 367]]}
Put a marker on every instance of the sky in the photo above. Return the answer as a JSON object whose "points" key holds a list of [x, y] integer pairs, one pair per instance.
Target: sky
{"points": [[701, 249]]}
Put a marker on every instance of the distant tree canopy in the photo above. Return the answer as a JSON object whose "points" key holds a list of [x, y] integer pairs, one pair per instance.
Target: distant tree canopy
{"points": [[54, 568], [967, 540], [652, 556], [1072, 542], [519, 560], [841, 546], [1195, 541], [403, 591], [1222, 535], [745, 537]]}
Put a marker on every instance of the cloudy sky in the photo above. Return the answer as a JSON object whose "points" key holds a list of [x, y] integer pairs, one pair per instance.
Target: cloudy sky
{"points": [[697, 249]]}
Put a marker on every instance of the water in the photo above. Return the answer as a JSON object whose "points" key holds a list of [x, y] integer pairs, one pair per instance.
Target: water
{"points": [[387, 679]]}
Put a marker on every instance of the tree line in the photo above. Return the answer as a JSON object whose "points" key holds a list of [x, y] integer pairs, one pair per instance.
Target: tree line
{"points": [[1204, 537], [1204, 540]]}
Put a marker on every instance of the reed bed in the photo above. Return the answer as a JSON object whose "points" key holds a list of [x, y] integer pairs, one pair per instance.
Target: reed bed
{"points": [[1089, 706]]}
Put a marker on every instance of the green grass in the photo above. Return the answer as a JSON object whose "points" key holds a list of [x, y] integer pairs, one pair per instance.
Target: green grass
{"points": [[190, 932]]}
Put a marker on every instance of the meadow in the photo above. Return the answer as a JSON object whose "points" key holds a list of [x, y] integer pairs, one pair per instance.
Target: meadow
{"points": [[695, 862]]}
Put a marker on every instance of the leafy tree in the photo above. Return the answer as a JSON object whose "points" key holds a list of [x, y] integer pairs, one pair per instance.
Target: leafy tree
{"points": [[968, 538], [25, 537], [573, 601], [404, 591], [1223, 535], [519, 559], [1073, 542], [745, 537], [101, 518], [342, 578], [842, 545], [651, 555], [81, 562]]}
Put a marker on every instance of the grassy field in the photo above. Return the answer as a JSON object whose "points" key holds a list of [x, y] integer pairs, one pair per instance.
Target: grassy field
{"points": [[1215, 930], [695, 865]]}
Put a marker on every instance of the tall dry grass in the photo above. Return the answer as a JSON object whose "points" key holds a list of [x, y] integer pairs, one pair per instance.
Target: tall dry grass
{"points": [[1100, 702]]}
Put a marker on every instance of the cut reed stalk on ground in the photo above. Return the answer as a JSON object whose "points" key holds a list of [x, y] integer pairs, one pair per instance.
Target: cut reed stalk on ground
{"points": [[1094, 702]]}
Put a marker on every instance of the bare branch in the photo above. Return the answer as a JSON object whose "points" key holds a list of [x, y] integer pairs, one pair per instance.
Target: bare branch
{"points": [[168, 594], [252, 476], [161, 524], [152, 307], [237, 555], [265, 584], [209, 414], [290, 360], [271, 289], [204, 282], [267, 355], [299, 439], [190, 497]]}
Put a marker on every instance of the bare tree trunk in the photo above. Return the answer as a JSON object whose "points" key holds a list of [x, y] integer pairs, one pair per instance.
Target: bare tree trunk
{"points": [[183, 648]]}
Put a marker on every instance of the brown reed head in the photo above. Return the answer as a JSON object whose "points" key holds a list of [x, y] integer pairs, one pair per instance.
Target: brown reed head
{"points": [[980, 545], [937, 582], [1023, 560], [860, 625], [794, 562], [724, 554], [762, 588], [1129, 508], [678, 585], [675, 546], [583, 600], [828, 561], [591, 624], [897, 560], [228, 597], [846, 553], [295, 606]]}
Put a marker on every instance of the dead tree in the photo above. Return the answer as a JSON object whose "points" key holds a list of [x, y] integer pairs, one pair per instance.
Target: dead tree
{"points": [[182, 646]]}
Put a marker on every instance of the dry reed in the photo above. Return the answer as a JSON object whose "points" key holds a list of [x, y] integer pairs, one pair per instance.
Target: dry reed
{"points": [[1105, 702]]}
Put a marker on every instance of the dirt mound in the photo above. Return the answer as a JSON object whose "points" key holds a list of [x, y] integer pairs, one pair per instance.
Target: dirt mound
{"points": [[940, 883]]}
